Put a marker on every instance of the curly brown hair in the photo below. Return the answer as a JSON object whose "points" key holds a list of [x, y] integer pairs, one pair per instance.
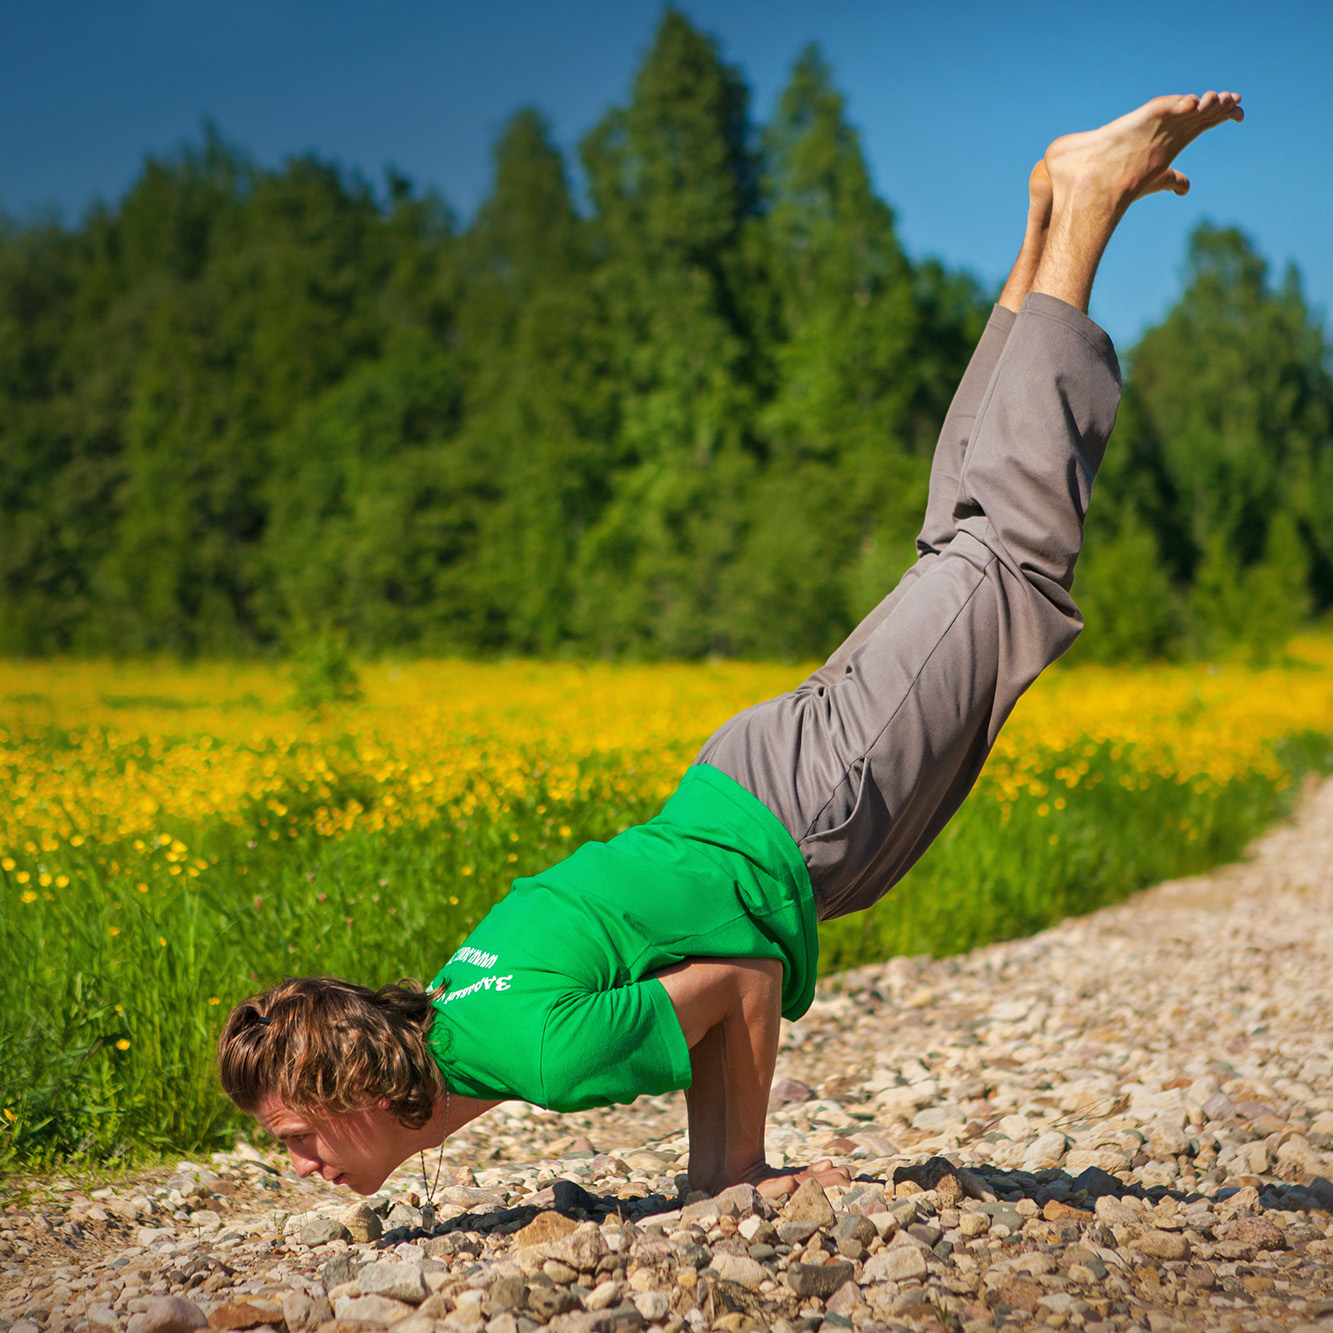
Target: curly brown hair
{"points": [[323, 1044]]}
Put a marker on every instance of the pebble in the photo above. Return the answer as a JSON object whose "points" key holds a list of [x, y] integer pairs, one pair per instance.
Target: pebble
{"points": [[1122, 1125]]}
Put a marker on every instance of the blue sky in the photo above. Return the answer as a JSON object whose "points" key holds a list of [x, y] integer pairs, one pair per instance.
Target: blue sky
{"points": [[954, 101]]}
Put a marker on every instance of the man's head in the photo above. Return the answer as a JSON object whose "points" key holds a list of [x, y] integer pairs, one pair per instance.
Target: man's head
{"points": [[318, 1044]]}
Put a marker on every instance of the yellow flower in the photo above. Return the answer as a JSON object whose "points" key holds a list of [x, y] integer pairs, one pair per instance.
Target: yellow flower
{"points": [[62, 881], [23, 877], [28, 896], [7, 863], [123, 1044], [213, 999], [162, 940], [115, 930]]}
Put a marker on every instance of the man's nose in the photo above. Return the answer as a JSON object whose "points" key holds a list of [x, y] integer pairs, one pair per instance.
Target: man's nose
{"points": [[305, 1166]]}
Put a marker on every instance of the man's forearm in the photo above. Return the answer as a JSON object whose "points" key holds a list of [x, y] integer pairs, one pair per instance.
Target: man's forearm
{"points": [[706, 1104], [729, 1011], [749, 1053]]}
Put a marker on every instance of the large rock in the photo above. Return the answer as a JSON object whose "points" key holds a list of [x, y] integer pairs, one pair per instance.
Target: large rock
{"points": [[809, 1204], [896, 1264], [1259, 1232], [252, 1313], [172, 1314], [362, 1223], [545, 1228], [742, 1201], [373, 1310], [748, 1273], [322, 1230], [817, 1279], [303, 1314], [938, 1174], [398, 1281], [582, 1249], [1162, 1245]]}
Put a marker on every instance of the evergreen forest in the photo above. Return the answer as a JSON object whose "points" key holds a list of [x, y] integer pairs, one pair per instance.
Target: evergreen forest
{"points": [[688, 412]]}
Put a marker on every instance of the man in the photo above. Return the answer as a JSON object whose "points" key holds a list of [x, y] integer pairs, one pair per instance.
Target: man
{"points": [[665, 958]]}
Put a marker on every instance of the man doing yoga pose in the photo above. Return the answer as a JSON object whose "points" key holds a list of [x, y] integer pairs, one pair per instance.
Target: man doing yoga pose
{"points": [[664, 958]]}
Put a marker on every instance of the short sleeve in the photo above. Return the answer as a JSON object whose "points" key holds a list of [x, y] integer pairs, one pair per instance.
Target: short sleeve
{"points": [[600, 1047]]}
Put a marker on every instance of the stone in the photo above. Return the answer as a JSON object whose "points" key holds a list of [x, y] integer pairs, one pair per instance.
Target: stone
{"points": [[1166, 1139], [817, 1279], [809, 1203], [303, 1314], [373, 1310], [251, 1313], [1095, 1182], [322, 1230], [1162, 1245], [1046, 1150], [787, 1090], [569, 1196], [509, 1292], [362, 1223], [545, 1228], [847, 1300], [796, 1233], [1019, 1294], [602, 1297], [938, 1174], [405, 1215], [1055, 1211], [341, 1268], [895, 1264], [1115, 1212], [853, 1226], [1199, 1277], [399, 1281], [547, 1302], [652, 1305], [1259, 1232], [746, 1272], [742, 1201], [582, 1249], [703, 1212], [171, 1314]]}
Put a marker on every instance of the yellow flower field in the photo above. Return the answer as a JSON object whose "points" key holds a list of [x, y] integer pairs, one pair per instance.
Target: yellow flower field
{"points": [[173, 837], [144, 743]]}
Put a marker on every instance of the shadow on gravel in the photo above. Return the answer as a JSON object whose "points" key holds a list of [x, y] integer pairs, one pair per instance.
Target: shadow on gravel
{"points": [[1059, 1194]]}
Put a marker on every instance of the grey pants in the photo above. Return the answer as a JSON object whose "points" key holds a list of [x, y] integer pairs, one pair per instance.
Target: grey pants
{"points": [[867, 760]]}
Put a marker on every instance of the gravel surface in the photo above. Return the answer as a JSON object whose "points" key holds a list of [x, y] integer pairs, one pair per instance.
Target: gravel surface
{"points": [[1124, 1122]]}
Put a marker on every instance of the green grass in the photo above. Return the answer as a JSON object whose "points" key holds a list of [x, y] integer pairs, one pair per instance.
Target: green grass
{"points": [[106, 1045]]}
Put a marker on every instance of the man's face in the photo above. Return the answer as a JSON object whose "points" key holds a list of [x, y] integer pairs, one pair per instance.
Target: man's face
{"points": [[357, 1149]]}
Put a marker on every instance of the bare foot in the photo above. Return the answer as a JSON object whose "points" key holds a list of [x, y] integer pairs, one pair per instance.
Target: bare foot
{"points": [[1095, 176], [784, 1181], [1132, 156]]}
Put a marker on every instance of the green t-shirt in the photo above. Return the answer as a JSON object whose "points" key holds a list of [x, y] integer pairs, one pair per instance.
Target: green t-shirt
{"points": [[551, 998]]}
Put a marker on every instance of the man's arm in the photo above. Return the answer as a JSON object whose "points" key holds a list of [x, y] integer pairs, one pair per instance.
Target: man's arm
{"points": [[729, 1010]]}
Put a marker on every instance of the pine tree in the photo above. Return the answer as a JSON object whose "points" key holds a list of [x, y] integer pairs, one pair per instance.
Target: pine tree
{"points": [[673, 182], [538, 394]]}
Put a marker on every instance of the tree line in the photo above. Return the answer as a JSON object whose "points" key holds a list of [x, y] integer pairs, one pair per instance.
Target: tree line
{"points": [[689, 415]]}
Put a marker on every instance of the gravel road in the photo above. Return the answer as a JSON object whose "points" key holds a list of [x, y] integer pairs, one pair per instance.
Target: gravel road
{"points": [[1123, 1123]]}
